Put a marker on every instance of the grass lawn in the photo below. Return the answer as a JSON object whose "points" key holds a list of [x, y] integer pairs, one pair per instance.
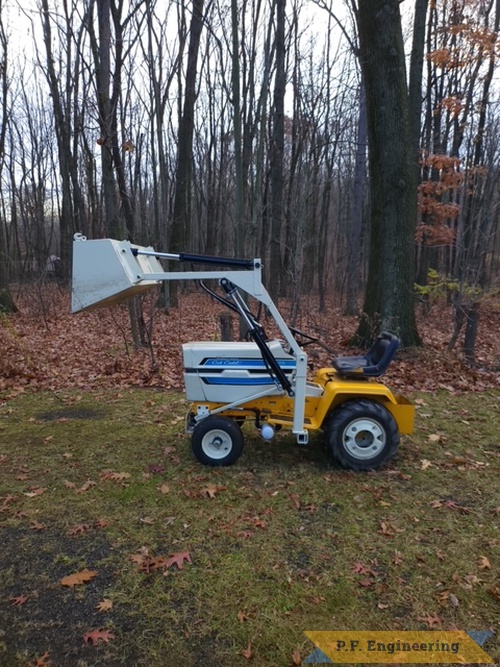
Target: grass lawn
{"points": [[191, 566]]}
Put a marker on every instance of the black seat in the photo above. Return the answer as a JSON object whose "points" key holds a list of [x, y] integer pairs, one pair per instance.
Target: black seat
{"points": [[374, 363]]}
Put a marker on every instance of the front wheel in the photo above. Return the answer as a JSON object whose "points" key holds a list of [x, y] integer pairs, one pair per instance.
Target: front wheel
{"points": [[217, 441], [362, 435]]}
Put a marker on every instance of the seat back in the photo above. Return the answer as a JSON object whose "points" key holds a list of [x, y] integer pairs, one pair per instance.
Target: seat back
{"points": [[381, 354], [372, 364]]}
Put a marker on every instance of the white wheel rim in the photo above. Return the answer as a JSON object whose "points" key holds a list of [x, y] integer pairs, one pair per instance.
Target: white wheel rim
{"points": [[364, 439], [216, 443]]}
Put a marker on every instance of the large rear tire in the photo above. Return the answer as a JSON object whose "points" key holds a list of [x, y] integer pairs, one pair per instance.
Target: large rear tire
{"points": [[217, 441], [361, 435]]}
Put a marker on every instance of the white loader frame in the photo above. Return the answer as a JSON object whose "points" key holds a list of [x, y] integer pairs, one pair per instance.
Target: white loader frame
{"points": [[106, 271]]}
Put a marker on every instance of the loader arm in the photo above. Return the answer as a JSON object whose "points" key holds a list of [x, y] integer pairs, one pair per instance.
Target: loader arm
{"points": [[106, 271]]}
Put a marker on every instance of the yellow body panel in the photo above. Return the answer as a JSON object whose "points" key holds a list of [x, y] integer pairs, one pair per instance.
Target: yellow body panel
{"points": [[278, 410]]}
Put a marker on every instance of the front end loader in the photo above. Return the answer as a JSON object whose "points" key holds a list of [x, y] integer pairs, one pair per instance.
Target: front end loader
{"points": [[261, 381]]}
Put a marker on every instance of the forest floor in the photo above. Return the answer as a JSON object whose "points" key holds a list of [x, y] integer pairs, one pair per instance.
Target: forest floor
{"points": [[45, 347], [118, 549]]}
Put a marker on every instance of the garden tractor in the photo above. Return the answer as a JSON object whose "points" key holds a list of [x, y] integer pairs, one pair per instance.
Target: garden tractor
{"points": [[265, 382]]}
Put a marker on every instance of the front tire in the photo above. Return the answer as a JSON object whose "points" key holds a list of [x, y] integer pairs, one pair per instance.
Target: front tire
{"points": [[217, 441], [362, 435]]}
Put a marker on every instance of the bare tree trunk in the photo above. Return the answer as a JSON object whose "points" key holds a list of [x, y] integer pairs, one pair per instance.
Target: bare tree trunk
{"points": [[6, 302], [474, 241], [277, 149], [114, 222], [237, 130], [180, 225], [358, 210], [180, 231], [73, 217], [389, 299]]}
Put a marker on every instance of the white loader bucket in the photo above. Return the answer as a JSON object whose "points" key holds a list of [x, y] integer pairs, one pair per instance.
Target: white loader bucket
{"points": [[106, 271]]}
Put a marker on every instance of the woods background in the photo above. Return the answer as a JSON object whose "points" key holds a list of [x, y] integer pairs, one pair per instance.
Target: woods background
{"points": [[240, 127]]}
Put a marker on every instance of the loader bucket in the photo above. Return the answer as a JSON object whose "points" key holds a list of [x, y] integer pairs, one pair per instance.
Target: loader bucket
{"points": [[106, 271]]}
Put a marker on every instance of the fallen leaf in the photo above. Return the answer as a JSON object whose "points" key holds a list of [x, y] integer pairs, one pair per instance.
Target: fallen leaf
{"points": [[454, 600], [452, 505], [397, 559], [96, 636], [6, 500], [19, 600], [360, 568], [35, 492], [242, 617], [105, 605], [78, 578], [248, 651], [386, 529], [431, 620], [442, 597], [296, 657], [164, 488], [380, 605], [434, 437], [79, 530], [178, 559], [426, 464], [316, 599], [86, 486], [458, 460], [42, 661], [366, 583], [36, 525], [211, 491], [69, 485], [469, 581], [147, 563], [244, 534], [114, 476], [483, 563]]}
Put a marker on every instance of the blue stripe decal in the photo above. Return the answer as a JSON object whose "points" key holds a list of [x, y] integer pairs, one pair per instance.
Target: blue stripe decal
{"points": [[246, 363], [248, 382]]}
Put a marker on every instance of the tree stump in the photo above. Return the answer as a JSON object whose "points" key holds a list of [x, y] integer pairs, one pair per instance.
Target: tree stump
{"points": [[226, 327]]}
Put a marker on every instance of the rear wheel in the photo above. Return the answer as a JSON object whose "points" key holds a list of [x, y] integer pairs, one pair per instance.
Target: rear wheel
{"points": [[217, 441], [362, 435]]}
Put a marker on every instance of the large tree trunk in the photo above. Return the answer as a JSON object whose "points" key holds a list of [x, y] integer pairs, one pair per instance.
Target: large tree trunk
{"points": [[277, 149], [389, 300], [6, 301], [73, 217], [179, 237], [473, 242], [180, 232], [114, 222], [358, 211], [7, 304]]}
